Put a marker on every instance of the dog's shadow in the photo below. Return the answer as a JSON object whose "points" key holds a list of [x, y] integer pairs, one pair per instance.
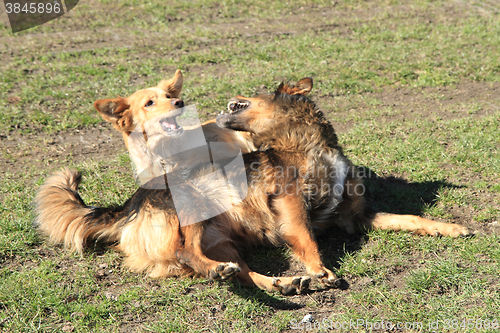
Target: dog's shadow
{"points": [[383, 194], [398, 196]]}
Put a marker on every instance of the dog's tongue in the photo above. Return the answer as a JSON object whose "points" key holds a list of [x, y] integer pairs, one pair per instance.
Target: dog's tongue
{"points": [[169, 123]]}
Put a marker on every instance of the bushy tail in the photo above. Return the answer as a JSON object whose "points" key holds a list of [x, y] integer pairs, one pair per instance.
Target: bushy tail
{"points": [[65, 219]]}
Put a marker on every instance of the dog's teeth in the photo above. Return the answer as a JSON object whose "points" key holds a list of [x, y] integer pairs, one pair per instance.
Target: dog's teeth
{"points": [[240, 105], [236, 106]]}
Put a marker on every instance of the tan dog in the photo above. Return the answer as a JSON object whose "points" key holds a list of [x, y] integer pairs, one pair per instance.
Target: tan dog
{"points": [[151, 240], [153, 113]]}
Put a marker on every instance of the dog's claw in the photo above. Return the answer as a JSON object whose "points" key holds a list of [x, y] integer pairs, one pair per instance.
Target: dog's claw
{"points": [[331, 282], [328, 278], [298, 285], [224, 271], [446, 229]]}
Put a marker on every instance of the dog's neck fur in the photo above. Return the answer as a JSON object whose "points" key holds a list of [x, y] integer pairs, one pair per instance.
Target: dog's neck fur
{"points": [[303, 133], [304, 128]]}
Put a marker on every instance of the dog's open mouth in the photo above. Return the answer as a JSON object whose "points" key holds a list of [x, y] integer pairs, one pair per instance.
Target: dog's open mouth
{"points": [[170, 126], [237, 105]]}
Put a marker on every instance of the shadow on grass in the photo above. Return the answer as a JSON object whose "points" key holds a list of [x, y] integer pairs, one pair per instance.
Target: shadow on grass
{"points": [[398, 196], [258, 295], [383, 194]]}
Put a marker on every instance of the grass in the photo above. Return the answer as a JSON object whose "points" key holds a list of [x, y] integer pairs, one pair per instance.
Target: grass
{"points": [[367, 55], [450, 281], [412, 86]]}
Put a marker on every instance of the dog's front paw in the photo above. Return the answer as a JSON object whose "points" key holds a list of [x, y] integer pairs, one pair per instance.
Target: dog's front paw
{"points": [[328, 278], [292, 285], [224, 271]]}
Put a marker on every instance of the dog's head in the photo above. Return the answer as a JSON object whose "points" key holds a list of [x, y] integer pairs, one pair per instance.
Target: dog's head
{"points": [[161, 102], [276, 115], [261, 113], [145, 119]]}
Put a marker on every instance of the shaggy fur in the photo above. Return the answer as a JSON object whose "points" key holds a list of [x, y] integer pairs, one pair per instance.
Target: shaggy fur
{"points": [[146, 228], [299, 182]]}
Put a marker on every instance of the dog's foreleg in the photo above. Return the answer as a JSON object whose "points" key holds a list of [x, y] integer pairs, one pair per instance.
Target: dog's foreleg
{"points": [[192, 255], [295, 231]]}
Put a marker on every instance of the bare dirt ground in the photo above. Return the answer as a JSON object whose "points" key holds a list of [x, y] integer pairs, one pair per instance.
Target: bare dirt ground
{"points": [[96, 143], [441, 103], [103, 141]]}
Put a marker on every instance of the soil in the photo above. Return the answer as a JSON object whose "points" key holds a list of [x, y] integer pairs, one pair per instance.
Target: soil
{"points": [[432, 103], [53, 150]]}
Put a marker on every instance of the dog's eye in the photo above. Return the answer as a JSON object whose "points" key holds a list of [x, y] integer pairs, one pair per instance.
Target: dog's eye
{"points": [[150, 103], [168, 96]]}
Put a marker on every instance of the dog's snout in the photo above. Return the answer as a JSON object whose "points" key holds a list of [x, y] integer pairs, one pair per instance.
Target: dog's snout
{"points": [[178, 103]]}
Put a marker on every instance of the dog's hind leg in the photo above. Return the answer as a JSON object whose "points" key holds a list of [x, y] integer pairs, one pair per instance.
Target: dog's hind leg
{"points": [[352, 215], [287, 285], [416, 224], [192, 255], [295, 231]]}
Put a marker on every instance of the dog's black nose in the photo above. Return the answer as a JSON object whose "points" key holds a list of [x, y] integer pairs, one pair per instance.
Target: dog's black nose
{"points": [[178, 102]]}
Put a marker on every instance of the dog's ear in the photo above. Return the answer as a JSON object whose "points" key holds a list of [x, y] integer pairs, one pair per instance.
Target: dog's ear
{"points": [[174, 85], [283, 88], [116, 111], [303, 87]]}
